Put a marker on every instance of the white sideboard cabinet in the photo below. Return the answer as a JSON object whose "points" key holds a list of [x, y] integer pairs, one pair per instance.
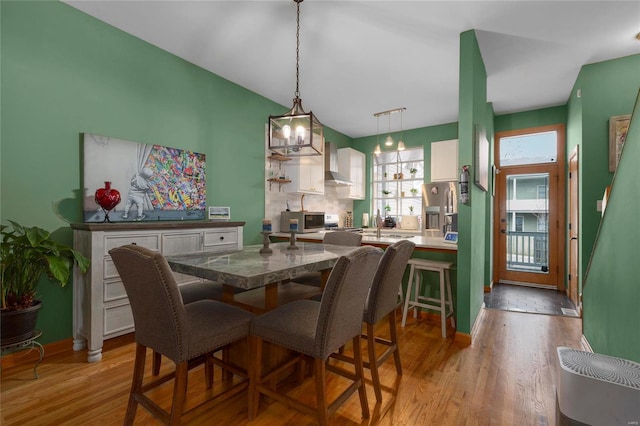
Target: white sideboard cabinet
{"points": [[100, 305]]}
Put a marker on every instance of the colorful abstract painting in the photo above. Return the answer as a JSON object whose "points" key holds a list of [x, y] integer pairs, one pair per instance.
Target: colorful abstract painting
{"points": [[155, 182]]}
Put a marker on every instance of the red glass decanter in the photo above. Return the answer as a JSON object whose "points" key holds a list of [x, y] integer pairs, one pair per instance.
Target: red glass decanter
{"points": [[107, 198]]}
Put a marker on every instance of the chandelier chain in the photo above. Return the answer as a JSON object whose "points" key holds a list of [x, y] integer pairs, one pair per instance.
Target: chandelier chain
{"points": [[297, 94]]}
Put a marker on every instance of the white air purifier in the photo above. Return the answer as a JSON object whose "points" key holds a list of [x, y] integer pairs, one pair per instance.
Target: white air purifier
{"points": [[596, 390]]}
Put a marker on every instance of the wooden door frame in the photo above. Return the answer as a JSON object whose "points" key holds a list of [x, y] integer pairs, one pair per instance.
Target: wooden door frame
{"points": [[560, 199], [575, 227]]}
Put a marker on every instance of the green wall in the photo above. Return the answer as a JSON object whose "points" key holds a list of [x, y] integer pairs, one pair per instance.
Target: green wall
{"points": [[473, 227], [611, 287], [533, 118], [607, 89], [64, 73]]}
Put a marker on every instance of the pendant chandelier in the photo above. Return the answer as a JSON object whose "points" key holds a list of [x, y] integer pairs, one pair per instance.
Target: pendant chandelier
{"points": [[296, 133], [389, 140]]}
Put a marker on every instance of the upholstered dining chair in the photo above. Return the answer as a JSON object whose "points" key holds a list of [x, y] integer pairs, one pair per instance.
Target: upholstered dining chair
{"points": [[193, 292], [340, 238], [382, 303], [317, 330], [182, 333]]}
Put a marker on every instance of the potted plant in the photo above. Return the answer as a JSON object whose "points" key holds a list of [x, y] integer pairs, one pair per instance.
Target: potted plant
{"points": [[26, 253], [386, 192], [414, 191], [410, 209], [413, 171], [387, 208]]}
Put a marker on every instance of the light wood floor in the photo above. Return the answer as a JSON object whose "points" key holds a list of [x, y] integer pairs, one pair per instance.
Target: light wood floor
{"points": [[506, 377]]}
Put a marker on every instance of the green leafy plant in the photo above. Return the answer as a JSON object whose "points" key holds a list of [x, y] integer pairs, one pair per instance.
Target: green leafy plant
{"points": [[25, 254], [413, 171], [386, 192], [387, 208], [411, 209], [414, 191]]}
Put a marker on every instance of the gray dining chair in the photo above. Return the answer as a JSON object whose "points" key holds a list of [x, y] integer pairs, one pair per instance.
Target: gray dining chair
{"points": [[193, 292], [382, 303], [340, 238], [317, 330], [182, 333]]}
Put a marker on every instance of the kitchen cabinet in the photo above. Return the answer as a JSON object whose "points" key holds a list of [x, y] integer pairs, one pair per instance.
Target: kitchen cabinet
{"points": [[306, 175], [352, 165], [444, 161], [101, 308]]}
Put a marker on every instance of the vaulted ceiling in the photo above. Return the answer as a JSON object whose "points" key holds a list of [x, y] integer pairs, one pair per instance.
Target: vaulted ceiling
{"points": [[361, 57]]}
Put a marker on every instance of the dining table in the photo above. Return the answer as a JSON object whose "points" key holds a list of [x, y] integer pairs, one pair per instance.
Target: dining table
{"points": [[251, 268]]}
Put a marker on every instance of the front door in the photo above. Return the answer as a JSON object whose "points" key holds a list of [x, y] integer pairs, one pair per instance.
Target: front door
{"points": [[529, 219]]}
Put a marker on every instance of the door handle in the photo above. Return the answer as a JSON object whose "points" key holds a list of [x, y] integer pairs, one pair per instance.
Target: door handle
{"points": [[574, 238], [502, 231]]}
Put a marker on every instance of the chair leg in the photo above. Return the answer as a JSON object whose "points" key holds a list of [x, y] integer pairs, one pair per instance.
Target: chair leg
{"points": [[394, 341], [362, 392], [155, 363], [179, 393], [321, 390], [416, 289], [208, 370], [136, 383], [443, 306], [255, 365], [373, 362]]}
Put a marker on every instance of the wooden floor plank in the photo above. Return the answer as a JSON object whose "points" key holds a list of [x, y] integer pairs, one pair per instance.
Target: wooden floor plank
{"points": [[506, 377]]}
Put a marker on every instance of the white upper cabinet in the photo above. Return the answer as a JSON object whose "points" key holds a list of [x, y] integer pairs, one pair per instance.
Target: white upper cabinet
{"points": [[444, 161], [306, 174], [352, 165]]}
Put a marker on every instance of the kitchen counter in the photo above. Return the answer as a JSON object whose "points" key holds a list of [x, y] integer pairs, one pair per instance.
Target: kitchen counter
{"points": [[369, 238]]}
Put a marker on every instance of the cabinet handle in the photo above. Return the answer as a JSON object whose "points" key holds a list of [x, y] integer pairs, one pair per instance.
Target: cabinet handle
{"points": [[221, 238], [134, 244]]}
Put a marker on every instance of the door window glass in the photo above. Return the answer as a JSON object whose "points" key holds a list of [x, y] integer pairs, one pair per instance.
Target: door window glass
{"points": [[535, 148]]}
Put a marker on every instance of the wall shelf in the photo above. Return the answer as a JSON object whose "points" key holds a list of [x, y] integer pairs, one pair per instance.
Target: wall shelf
{"points": [[279, 181]]}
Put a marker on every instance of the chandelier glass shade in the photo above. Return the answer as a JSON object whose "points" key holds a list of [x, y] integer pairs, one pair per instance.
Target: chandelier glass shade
{"points": [[296, 133]]}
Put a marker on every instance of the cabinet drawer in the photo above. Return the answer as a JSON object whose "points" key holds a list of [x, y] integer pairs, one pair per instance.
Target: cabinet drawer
{"points": [[118, 319], [181, 243], [150, 241], [223, 239], [114, 290]]}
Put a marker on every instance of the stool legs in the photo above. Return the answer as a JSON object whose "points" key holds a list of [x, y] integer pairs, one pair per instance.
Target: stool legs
{"points": [[445, 302]]}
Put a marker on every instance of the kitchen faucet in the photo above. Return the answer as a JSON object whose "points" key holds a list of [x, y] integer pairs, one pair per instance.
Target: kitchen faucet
{"points": [[302, 203]]}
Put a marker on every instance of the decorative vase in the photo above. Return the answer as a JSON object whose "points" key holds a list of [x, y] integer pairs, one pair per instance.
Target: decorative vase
{"points": [[107, 198]]}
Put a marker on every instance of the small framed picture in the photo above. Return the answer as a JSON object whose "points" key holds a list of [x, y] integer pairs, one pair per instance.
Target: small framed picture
{"points": [[219, 213], [618, 127], [451, 237]]}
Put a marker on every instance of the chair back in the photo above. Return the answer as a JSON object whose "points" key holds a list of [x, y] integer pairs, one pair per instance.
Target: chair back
{"points": [[342, 304], [158, 312], [343, 238], [383, 296]]}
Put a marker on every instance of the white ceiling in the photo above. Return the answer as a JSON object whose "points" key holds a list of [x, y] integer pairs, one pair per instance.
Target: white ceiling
{"points": [[362, 57]]}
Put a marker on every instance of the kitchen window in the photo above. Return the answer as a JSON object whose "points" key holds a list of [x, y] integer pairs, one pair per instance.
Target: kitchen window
{"points": [[397, 178]]}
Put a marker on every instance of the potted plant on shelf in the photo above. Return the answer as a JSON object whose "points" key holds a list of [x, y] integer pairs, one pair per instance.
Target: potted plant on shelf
{"points": [[26, 253], [413, 171], [386, 192], [414, 191], [410, 209]]}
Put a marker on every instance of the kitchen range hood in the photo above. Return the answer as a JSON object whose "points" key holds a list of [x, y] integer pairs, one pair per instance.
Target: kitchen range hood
{"points": [[331, 175]]}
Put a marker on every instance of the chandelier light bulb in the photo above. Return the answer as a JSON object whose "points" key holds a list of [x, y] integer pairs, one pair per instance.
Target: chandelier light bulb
{"points": [[388, 141], [286, 131], [401, 146], [377, 151]]}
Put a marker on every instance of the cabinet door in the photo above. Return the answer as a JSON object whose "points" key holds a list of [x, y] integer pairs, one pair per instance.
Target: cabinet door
{"points": [[180, 243], [444, 161], [307, 175], [351, 164]]}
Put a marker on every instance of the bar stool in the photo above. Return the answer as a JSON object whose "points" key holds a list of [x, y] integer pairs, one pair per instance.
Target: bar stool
{"points": [[442, 268]]}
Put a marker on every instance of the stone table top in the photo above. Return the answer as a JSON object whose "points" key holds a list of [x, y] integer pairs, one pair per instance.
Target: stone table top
{"points": [[249, 269]]}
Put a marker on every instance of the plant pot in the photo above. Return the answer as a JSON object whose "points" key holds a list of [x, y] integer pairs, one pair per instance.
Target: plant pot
{"points": [[18, 325]]}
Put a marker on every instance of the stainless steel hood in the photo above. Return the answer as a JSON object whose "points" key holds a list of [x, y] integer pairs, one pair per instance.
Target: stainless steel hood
{"points": [[331, 175]]}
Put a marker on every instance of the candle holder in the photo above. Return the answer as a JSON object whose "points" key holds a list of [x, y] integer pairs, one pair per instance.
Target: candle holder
{"points": [[265, 243], [292, 241]]}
